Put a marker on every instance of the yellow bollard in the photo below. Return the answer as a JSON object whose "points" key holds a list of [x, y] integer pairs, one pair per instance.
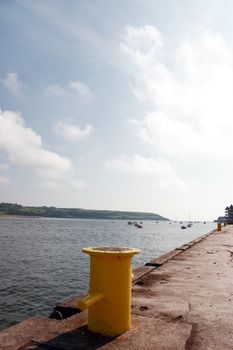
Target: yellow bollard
{"points": [[219, 226], [109, 299]]}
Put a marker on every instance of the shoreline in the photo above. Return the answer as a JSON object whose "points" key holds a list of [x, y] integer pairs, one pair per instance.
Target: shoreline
{"points": [[6, 216]]}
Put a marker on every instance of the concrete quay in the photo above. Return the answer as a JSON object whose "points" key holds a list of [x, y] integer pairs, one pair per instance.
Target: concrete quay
{"points": [[181, 300]]}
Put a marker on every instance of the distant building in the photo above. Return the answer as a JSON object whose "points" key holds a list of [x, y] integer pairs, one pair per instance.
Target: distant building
{"points": [[221, 219], [229, 214]]}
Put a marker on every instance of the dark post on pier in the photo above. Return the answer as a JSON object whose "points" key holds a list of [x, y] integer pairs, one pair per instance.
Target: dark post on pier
{"points": [[181, 300]]}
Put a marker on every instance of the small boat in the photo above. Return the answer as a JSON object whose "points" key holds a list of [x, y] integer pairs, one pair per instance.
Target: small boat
{"points": [[138, 225], [183, 227]]}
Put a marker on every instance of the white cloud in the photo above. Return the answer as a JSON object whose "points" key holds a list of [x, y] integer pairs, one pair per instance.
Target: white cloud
{"points": [[55, 89], [76, 86], [4, 166], [74, 26], [24, 147], [79, 184], [141, 41], [186, 90], [73, 132], [82, 88], [72, 182], [13, 84], [188, 94], [4, 180], [157, 171]]}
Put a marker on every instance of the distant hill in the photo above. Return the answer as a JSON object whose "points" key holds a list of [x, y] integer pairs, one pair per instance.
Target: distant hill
{"points": [[76, 213]]}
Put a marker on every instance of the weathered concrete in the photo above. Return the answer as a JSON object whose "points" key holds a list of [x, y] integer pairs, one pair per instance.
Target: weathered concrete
{"points": [[183, 302]]}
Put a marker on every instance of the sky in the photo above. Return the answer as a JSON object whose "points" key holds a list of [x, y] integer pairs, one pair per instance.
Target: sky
{"points": [[119, 105]]}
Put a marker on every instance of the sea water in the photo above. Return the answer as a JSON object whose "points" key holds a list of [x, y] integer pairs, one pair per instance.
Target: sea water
{"points": [[41, 260]]}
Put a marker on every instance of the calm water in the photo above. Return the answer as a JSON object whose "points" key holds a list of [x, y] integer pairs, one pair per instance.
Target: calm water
{"points": [[41, 262]]}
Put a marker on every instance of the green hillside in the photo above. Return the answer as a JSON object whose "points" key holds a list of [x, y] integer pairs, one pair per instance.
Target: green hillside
{"points": [[17, 209]]}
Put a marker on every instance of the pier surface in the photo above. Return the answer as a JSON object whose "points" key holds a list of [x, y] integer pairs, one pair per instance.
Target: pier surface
{"points": [[182, 300]]}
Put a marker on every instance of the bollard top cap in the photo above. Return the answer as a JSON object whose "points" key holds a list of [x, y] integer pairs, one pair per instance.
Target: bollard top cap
{"points": [[114, 251]]}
